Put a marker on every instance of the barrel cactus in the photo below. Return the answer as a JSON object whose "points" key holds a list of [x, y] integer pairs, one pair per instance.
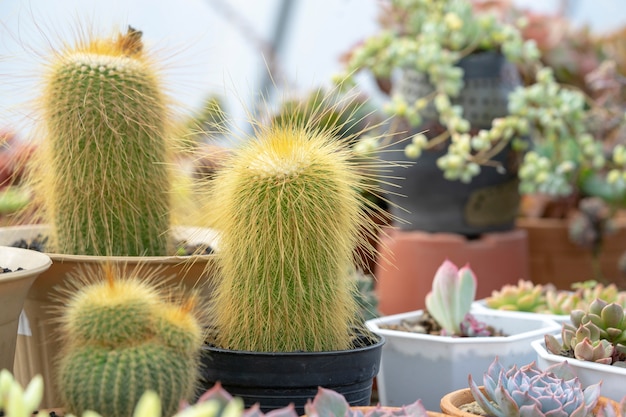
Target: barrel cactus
{"points": [[529, 391], [597, 334], [122, 336], [101, 170]]}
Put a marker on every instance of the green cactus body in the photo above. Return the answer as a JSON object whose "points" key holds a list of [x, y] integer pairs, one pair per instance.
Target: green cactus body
{"points": [[289, 215], [106, 182], [106, 369]]}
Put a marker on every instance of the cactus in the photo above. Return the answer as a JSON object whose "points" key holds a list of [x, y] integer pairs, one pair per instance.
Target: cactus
{"points": [[597, 334], [101, 172], [290, 213], [123, 337]]}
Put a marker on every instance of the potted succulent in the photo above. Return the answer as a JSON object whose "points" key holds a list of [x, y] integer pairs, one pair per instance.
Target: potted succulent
{"points": [[102, 181], [539, 140], [325, 403], [449, 341], [527, 297], [283, 315], [594, 344], [527, 390], [18, 270], [570, 238]]}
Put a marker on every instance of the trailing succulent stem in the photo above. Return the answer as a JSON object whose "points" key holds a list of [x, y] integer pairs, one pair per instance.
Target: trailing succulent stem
{"points": [[290, 212], [102, 166], [123, 337]]}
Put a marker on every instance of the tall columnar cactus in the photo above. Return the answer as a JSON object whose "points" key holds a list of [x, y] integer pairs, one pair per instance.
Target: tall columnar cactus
{"points": [[123, 337], [103, 164], [289, 214]]}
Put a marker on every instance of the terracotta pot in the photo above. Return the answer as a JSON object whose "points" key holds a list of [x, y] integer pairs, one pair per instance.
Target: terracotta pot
{"points": [[451, 403], [410, 259], [38, 344], [555, 259]]}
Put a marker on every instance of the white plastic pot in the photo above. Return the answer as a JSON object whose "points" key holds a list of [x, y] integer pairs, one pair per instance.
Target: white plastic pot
{"points": [[481, 306], [420, 366], [613, 377]]}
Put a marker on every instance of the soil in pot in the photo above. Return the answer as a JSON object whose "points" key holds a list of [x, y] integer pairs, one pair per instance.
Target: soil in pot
{"points": [[426, 324]]}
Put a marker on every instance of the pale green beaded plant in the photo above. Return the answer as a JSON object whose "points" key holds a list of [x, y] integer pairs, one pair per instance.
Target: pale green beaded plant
{"points": [[431, 37]]}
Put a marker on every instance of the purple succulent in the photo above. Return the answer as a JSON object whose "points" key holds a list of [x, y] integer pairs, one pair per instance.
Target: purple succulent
{"points": [[531, 392]]}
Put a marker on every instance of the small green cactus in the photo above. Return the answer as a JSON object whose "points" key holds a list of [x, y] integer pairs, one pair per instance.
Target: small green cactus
{"points": [[102, 171], [123, 337], [290, 213]]}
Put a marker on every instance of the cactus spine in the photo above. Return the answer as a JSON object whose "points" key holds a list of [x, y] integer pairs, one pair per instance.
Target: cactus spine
{"points": [[103, 172], [289, 216], [121, 338]]}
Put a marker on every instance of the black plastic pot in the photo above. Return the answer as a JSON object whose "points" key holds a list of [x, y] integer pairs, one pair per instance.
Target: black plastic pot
{"points": [[275, 379]]}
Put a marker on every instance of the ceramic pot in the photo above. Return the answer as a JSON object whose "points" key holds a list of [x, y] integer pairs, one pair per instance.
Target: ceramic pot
{"points": [[452, 402], [555, 259], [13, 289], [408, 261], [420, 194]]}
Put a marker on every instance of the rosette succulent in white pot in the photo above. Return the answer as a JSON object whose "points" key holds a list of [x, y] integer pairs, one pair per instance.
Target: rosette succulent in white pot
{"points": [[449, 342], [594, 344]]}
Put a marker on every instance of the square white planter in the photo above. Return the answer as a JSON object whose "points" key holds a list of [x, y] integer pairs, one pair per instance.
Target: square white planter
{"points": [[613, 377], [481, 306], [420, 366]]}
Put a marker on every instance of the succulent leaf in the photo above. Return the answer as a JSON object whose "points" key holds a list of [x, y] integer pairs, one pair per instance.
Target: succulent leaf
{"points": [[613, 315], [451, 297], [327, 403], [599, 352]]}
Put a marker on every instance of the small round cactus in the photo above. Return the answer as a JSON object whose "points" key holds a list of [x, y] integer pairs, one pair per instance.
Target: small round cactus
{"points": [[123, 337]]}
